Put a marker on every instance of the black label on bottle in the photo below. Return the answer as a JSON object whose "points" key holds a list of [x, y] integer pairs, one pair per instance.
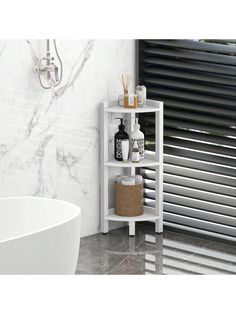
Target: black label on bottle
{"points": [[118, 149]]}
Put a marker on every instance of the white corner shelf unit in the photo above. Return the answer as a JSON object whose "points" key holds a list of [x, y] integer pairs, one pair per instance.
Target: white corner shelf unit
{"points": [[108, 111]]}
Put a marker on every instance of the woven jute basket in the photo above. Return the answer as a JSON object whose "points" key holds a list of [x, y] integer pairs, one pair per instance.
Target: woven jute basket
{"points": [[128, 199]]}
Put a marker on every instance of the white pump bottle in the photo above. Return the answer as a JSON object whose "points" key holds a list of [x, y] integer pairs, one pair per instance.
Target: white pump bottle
{"points": [[138, 136]]}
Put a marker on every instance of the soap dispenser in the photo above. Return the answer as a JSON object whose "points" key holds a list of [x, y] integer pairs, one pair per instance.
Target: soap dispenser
{"points": [[138, 136], [119, 137]]}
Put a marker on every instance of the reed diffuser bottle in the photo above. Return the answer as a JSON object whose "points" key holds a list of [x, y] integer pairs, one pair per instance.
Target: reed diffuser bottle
{"points": [[130, 100]]}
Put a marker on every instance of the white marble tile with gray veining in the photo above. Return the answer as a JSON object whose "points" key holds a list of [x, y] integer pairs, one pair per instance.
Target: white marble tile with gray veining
{"points": [[49, 139]]}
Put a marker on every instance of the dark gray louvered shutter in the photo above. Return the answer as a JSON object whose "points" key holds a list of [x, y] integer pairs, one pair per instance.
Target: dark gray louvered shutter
{"points": [[196, 80]]}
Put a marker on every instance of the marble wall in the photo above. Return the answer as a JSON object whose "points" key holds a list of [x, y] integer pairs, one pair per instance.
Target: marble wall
{"points": [[49, 140]]}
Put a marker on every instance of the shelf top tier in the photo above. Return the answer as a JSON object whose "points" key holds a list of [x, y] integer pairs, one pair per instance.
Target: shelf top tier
{"points": [[151, 106]]}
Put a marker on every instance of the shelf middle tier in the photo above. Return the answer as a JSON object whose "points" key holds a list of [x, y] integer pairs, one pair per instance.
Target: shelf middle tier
{"points": [[146, 162]]}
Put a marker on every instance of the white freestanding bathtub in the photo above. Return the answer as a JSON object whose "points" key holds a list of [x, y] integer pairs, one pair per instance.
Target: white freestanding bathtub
{"points": [[38, 236]]}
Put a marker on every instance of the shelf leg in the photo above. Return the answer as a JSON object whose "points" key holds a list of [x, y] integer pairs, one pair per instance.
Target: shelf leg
{"points": [[158, 226], [104, 227], [104, 170], [132, 228], [159, 170]]}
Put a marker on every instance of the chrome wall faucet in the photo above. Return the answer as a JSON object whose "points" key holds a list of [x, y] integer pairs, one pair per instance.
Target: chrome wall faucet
{"points": [[46, 65]]}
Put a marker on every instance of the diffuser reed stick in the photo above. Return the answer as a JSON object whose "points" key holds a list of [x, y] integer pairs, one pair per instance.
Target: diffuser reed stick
{"points": [[125, 81]]}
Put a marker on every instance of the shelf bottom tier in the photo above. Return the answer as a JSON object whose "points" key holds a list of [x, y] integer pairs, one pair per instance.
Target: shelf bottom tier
{"points": [[148, 215]]}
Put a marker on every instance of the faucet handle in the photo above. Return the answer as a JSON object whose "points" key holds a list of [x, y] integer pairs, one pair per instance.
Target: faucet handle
{"points": [[56, 74]]}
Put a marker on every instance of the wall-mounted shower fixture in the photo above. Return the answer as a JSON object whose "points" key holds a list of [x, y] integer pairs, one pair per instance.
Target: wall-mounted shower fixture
{"points": [[49, 73]]}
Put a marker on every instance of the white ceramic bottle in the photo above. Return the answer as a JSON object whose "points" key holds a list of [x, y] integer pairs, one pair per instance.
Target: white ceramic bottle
{"points": [[125, 150], [135, 152], [141, 92], [138, 136]]}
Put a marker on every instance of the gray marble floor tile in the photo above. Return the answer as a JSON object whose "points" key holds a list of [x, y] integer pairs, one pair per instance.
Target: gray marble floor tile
{"points": [[149, 253], [139, 265]]}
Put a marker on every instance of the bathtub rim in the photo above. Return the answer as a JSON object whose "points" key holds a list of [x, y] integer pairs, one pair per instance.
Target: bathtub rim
{"points": [[52, 226]]}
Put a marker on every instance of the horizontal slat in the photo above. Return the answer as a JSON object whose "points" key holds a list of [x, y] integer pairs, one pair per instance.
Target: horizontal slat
{"points": [[193, 193], [196, 87], [196, 184], [198, 117], [187, 95], [196, 136], [181, 180], [208, 114], [200, 224], [194, 203], [174, 270], [198, 174], [193, 154], [221, 41], [191, 125], [227, 113], [204, 127], [191, 55], [199, 204], [199, 146], [192, 173], [197, 164], [205, 232], [193, 267], [198, 194], [149, 202], [190, 65], [202, 255], [200, 214], [189, 76], [214, 47]]}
